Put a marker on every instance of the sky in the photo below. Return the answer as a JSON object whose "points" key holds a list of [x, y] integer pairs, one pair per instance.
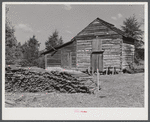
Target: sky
{"points": [[68, 19]]}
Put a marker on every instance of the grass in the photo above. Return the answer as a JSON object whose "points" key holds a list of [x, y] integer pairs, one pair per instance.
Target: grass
{"points": [[123, 90]]}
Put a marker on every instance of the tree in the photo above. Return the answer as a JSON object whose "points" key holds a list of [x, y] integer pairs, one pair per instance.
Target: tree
{"points": [[30, 50], [19, 53], [53, 41], [131, 28], [10, 41]]}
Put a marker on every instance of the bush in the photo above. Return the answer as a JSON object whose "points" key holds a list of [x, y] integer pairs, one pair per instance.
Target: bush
{"points": [[24, 63], [9, 62], [41, 62], [134, 68], [139, 68], [139, 55]]}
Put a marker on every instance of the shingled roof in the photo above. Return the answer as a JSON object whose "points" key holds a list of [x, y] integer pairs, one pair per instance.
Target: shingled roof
{"points": [[110, 26]]}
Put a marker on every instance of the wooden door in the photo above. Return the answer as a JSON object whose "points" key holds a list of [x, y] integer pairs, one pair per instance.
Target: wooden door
{"points": [[97, 55], [96, 44], [97, 61]]}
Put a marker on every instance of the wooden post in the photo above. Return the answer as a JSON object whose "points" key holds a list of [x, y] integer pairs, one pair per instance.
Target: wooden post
{"points": [[97, 79], [92, 70], [113, 71], [106, 70]]}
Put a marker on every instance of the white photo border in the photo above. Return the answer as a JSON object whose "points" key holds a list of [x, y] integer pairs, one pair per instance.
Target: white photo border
{"points": [[69, 113]]}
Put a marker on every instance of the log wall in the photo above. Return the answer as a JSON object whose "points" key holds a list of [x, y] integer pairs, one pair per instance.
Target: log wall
{"points": [[112, 53], [111, 56], [118, 50], [127, 55], [84, 49], [110, 43]]}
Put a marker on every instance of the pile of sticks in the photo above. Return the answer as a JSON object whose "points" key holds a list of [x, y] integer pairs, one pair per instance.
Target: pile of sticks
{"points": [[24, 80]]}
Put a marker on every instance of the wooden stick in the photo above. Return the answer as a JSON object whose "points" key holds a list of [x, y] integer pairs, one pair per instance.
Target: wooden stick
{"points": [[98, 79], [9, 102], [107, 70], [114, 71]]}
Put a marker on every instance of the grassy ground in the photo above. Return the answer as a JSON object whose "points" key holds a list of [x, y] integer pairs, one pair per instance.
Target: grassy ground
{"points": [[123, 90]]}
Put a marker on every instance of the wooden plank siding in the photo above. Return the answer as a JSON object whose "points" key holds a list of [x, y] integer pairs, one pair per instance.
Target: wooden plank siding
{"points": [[55, 60], [84, 48], [68, 58], [96, 29], [64, 57], [77, 54], [127, 54], [110, 43], [112, 55]]}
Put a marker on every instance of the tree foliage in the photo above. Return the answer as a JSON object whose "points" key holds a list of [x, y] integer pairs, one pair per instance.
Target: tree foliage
{"points": [[10, 42], [53, 41], [26, 54], [30, 50], [131, 27]]}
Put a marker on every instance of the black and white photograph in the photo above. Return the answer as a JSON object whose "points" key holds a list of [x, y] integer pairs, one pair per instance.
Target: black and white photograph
{"points": [[82, 60]]}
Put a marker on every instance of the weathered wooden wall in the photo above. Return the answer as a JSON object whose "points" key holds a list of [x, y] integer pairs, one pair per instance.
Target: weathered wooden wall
{"points": [[112, 53], [64, 57], [84, 49], [127, 52], [97, 29], [53, 61], [110, 43], [68, 55], [127, 55], [118, 50]]}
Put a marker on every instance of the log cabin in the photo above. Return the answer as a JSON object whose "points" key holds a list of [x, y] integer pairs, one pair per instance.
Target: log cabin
{"points": [[98, 46]]}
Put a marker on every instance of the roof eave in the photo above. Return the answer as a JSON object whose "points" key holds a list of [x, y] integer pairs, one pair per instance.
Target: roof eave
{"points": [[60, 46]]}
